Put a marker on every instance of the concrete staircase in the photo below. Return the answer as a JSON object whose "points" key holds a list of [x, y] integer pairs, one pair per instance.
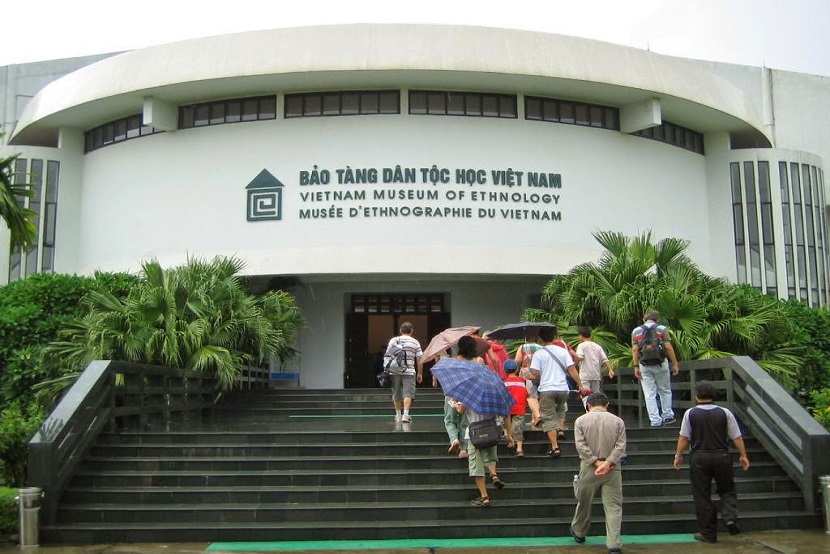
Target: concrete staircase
{"points": [[291, 464]]}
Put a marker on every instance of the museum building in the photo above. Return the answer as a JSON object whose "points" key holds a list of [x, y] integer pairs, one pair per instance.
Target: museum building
{"points": [[435, 174]]}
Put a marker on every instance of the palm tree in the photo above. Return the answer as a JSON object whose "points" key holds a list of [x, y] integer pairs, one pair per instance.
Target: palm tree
{"points": [[709, 317], [18, 219], [196, 316]]}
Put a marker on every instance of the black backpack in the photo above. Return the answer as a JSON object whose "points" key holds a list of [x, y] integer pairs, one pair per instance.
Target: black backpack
{"points": [[652, 351]]}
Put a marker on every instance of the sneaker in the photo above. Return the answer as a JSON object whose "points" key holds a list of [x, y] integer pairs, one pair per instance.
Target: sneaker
{"points": [[655, 425], [576, 537], [732, 527], [669, 421], [397, 418], [703, 538], [406, 418], [614, 550]]}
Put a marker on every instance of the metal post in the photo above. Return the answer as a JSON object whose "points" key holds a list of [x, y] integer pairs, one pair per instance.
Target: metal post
{"points": [[29, 502], [824, 482]]}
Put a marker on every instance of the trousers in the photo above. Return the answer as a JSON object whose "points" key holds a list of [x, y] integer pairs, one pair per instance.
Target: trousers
{"points": [[704, 467], [610, 488]]}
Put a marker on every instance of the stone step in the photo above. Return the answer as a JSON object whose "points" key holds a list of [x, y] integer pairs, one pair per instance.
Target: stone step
{"points": [[482, 525]]}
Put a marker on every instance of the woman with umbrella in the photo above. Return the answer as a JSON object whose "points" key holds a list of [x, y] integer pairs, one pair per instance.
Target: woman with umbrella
{"points": [[481, 395]]}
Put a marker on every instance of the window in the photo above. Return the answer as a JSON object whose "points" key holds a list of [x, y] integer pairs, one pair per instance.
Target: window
{"points": [[473, 104], [116, 131], [397, 303], [234, 110], [364, 102], [674, 135], [571, 113]]}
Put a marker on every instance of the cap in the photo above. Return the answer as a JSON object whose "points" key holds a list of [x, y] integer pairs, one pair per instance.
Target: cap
{"points": [[510, 366]]}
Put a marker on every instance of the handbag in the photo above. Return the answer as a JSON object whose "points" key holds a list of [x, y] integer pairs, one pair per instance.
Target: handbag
{"points": [[383, 379], [570, 380], [485, 433]]}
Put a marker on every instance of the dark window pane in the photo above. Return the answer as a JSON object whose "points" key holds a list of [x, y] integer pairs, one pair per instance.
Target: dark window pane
{"points": [[507, 106], [596, 116], [582, 114], [134, 127], [489, 106], [293, 106], [187, 117], [202, 115], [249, 110], [417, 102], [566, 112], [120, 130], [551, 110], [611, 119], [390, 102], [533, 108], [217, 113], [455, 104], [436, 103], [268, 107], [474, 104], [233, 111], [331, 104], [350, 103], [313, 105], [369, 103]]}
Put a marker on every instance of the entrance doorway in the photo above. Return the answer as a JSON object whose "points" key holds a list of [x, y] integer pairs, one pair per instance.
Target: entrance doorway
{"points": [[376, 318]]}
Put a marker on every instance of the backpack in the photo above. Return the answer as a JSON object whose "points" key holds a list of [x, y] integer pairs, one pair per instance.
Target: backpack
{"points": [[652, 351], [395, 358]]}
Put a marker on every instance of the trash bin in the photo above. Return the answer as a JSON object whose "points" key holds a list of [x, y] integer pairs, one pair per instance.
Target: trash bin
{"points": [[29, 502], [824, 482]]}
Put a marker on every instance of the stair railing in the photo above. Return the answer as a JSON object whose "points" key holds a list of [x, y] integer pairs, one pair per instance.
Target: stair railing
{"points": [[797, 442], [110, 395]]}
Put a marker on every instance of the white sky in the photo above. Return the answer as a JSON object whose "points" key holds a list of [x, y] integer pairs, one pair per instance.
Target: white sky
{"points": [[781, 34]]}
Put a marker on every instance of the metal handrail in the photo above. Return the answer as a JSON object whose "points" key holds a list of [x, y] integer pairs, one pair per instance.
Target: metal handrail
{"points": [[783, 427]]}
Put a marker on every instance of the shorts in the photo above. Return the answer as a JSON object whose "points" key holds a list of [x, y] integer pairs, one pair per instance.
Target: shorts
{"points": [[479, 458], [518, 423], [552, 406], [403, 386]]}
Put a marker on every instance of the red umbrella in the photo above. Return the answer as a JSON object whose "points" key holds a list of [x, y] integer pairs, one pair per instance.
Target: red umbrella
{"points": [[446, 339]]}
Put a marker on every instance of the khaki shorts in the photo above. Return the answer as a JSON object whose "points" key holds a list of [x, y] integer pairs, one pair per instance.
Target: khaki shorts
{"points": [[552, 406], [479, 458], [403, 386]]}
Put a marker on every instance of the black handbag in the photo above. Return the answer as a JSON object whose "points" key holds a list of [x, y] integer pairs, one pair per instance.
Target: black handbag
{"points": [[383, 379], [485, 433]]}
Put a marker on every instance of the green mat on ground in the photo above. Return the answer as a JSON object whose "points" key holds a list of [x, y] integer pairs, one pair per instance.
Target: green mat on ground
{"points": [[322, 546]]}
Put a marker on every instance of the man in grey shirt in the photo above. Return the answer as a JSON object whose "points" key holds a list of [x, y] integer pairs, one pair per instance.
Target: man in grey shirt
{"points": [[600, 442]]}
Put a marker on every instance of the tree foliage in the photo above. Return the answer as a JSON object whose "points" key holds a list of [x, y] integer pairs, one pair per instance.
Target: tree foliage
{"points": [[709, 317], [196, 316], [18, 219]]}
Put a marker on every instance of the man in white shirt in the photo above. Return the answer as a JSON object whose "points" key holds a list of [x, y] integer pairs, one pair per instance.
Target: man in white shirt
{"points": [[402, 376], [550, 364], [591, 357]]}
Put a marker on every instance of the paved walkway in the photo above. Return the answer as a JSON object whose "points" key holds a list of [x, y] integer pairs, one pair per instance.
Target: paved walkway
{"points": [[768, 542]]}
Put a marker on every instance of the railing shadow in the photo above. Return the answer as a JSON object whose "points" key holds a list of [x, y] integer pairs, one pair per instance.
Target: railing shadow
{"points": [[763, 407]]}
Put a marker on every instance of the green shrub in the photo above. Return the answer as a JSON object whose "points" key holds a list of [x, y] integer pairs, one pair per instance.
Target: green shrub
{"points": [[17, 426], [8, 511], [821, 406]]}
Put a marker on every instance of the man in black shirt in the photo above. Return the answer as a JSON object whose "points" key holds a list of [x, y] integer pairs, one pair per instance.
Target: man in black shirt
{"points": [[708, 428]]}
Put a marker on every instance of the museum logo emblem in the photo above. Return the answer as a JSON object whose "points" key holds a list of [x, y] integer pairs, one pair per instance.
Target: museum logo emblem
{"points": [[264, 197]]}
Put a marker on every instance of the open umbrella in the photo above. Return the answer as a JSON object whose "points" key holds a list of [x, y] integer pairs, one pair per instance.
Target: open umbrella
{"points": [[514, 331], [473, 385], [446, 339]]}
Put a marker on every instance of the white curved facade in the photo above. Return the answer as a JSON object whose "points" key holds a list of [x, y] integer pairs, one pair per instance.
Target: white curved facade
{"points": [[467, 214]]}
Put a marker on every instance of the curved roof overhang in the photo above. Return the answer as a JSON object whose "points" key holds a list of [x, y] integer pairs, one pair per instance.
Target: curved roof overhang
{"points": [[387, 56]]}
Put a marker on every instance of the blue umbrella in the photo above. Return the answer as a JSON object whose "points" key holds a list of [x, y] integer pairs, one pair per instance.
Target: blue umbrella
{"points": [[473, 385]]}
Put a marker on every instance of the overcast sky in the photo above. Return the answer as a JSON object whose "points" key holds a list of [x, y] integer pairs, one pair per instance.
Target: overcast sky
{"points": [[781, 34]]}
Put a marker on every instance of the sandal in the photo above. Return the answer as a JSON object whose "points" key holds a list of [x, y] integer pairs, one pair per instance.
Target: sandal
{"points": [[498, 483], [463, 454], [520, 453], [481, 501], [555, 453], [560, 434]]}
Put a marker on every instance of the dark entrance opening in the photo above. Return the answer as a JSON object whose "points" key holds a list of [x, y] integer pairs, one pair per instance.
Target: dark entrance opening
{"points": [[375, 318]]}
